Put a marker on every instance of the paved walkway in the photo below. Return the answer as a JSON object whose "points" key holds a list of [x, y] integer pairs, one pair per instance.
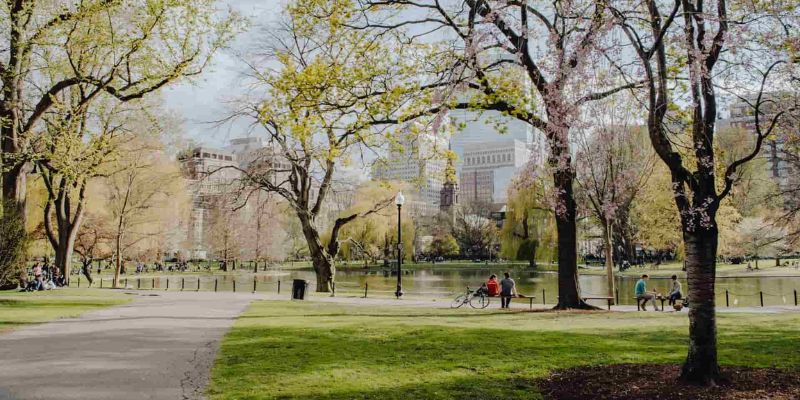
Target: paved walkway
{"points": [[156, 347], [517, 304]]}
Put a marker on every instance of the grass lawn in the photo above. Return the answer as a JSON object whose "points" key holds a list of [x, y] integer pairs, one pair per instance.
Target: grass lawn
{"points": [[22, 308], [309, 350]]}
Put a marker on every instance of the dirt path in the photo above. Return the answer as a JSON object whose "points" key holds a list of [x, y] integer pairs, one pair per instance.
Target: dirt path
{"points": [[156, 347]]}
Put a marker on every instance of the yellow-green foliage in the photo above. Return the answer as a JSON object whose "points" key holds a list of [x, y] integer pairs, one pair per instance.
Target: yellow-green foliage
{"points": [[529, 202]]}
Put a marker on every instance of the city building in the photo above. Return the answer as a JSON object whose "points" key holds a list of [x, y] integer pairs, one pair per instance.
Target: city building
{"points": [[742, 115], [488, 168], [418, 160], [476, 128], [209, 178], [247, 149], [448, 197]]}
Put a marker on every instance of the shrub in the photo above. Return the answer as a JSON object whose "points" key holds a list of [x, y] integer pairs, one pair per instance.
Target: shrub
{"points": [[13, 245]]}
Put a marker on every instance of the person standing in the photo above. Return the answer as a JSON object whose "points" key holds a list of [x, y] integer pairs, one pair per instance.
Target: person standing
{"points": [[37, 276], [508, 289]]}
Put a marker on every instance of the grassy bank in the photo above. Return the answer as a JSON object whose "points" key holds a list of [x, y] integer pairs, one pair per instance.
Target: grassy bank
{"points": [[325, 351], [20, 309], [766, 268]]}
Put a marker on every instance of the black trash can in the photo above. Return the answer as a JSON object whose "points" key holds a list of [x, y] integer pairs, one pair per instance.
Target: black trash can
{"points": [[299, 289]]}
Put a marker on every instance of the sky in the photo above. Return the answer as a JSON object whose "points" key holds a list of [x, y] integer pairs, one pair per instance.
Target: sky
{"points": [[202, 100]]}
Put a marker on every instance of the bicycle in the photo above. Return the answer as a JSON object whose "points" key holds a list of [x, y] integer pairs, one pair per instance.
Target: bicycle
{"points": [[475, 299]]}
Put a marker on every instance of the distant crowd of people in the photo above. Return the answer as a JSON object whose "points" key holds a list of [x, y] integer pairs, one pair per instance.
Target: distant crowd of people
{"points": [[42, 276]]}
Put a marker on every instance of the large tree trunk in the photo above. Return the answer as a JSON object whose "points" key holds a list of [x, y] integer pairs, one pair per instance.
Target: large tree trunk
{"points": [[568, 287], [118, 267], [64, 256], [67, 233], [320, 258], [609, 259], [14, 177], [701, 364], [323, 267], [14, 187]]}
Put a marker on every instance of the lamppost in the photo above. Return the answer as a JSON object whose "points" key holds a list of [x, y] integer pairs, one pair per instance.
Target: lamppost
{"points": [[399, 200]]}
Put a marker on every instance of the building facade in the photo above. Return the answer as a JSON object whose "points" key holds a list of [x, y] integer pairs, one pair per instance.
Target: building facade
{"points": [[488, 168], [742, 116], [209, 179], [418, 160]]}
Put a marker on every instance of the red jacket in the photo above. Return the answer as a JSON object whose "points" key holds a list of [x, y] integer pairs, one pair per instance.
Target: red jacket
{"points": [[493, 286]]}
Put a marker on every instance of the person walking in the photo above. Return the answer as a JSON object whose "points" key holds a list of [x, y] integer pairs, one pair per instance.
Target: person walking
{"points": [[508, 289]]}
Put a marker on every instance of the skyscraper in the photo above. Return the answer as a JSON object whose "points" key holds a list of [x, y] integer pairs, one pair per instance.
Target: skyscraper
{"points": [[488, 169], [419, 160]]}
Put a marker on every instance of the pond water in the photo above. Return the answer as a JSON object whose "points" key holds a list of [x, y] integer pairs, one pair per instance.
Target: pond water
{"points": [[446, 282]]}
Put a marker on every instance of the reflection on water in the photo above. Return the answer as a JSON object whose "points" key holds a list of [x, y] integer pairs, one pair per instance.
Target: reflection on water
{"points": [[445, 283]]}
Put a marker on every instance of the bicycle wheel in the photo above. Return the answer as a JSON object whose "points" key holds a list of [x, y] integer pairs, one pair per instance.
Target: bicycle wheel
{"points": [[479, 302], [459, 301]]}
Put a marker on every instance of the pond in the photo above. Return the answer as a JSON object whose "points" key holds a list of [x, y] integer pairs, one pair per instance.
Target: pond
{"points": [[443, 282], [742, 291]]}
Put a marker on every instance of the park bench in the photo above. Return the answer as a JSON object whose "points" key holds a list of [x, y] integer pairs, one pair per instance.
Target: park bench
{"points": [[530, 299], [523, 296], [660, 298], [609, 299]]}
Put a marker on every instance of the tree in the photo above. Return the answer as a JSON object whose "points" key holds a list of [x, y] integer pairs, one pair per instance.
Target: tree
{"points": [[80, 140], [93, 242], [13, 245], [755, 188], [364, 239], [142, 196], [226, 231], [295, 240], [535, 61], [758, 238], [261, 232], [324, 99], [653, 215], [787, 194], [366, 236], [125, 50], [613, 165], [475, 230], [528, 232], [700, 54], [443, 244]]}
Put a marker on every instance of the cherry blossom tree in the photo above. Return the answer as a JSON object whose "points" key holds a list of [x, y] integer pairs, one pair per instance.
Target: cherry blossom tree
{"points": [[688, 53], [613, 164], [535, 61]]}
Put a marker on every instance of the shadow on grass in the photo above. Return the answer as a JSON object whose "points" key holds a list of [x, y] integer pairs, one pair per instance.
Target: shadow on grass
{"points": [[381, 360], [378, 363]]}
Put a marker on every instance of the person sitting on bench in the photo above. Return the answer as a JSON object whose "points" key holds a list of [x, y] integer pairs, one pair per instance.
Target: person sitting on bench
{"points": [[675, 293], [642, 294], [508, 290], [493, 285]]}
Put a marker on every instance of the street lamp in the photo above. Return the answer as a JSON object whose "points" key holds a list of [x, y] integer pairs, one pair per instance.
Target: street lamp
{"points": [[399, 200]]}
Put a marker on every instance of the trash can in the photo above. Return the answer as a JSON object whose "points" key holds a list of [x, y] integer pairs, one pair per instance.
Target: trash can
{"points": [[299, 289]]}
